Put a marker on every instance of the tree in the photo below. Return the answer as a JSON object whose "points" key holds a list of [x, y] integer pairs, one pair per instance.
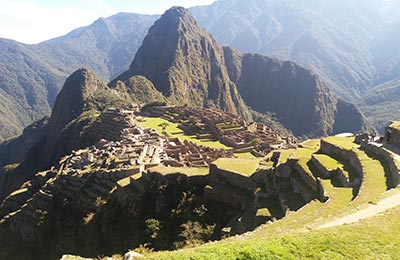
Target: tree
{"points": [[163, 126]]}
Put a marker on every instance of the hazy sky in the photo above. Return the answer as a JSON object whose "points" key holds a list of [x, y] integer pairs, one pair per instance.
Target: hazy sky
{"points": [[33, 21]]}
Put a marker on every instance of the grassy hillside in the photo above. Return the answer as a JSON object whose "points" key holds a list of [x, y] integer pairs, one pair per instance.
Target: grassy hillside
{"points": [[372, 238]]}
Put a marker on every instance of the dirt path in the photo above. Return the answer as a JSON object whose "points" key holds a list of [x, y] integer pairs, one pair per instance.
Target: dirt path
{"points": [[370, 211]]}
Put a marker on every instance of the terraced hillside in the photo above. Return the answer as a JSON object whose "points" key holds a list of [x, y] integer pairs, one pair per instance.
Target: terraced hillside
{"points": [[298, 192], [357, 187]]}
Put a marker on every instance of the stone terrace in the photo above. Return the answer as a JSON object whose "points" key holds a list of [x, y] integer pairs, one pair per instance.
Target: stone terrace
{"points": [[229, 129]]}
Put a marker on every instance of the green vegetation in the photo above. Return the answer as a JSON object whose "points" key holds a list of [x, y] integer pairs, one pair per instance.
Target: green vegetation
{"points": [[372, 238], [140, 90], [303, 154], [172, 130], [380, 104], [189, 171], [245, 155], [296, 236], [374, 181], [243, 166], [328, 162], [346, 143]]}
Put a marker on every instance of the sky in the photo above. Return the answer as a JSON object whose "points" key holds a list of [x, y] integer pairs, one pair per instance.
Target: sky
{"points": [[33, 21]]}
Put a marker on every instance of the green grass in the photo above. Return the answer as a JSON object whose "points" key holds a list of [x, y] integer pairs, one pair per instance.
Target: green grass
{"points": [[328, 162], [304, 154], [374, 182], [189, 171], [312, 143], [243, 166], [245, 155], [373, 238], [346, 143], [284, 154], [173, 131]]}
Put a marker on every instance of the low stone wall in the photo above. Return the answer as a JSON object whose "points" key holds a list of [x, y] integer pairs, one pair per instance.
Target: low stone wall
{"points": [[385, 156], [234, 179], [311, 181], [326, 173], [349, 155], [337, 173]]}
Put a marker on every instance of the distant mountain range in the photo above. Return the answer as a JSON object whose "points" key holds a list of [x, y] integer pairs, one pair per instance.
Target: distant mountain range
{"points": [[350, 44], [32, 75]]}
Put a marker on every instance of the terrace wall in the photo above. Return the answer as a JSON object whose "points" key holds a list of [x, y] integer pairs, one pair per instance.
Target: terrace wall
{"points": [[383, 155]]}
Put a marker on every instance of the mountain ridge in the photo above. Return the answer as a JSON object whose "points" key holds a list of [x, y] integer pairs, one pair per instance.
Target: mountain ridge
{"points": [[49, 63]]}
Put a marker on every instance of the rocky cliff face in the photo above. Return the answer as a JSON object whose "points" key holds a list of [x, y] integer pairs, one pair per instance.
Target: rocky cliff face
{"points": [[299, 98], [186, 64]]}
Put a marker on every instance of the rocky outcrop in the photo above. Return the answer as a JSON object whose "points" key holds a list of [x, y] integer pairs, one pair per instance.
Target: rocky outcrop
{"points": [[392, 134]]}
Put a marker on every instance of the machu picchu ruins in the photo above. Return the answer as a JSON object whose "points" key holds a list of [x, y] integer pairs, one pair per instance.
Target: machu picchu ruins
{"points": [[230, 130], [281, 177]]}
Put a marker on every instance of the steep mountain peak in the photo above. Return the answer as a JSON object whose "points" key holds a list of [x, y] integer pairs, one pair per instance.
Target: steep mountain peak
{"points": [[177, 12], [186, 64], [69, 104], [179, 16]]}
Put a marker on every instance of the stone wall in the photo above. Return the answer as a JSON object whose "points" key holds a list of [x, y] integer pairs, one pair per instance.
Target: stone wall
{"points": [[234, 179], [348, 155], [385, 156], [337, 173]]}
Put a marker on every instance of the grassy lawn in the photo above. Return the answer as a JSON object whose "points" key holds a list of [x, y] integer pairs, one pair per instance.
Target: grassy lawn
{"points": [[243, 166], [328, 162], [312, 143], [284, 155], [173, 131], [189, 171], [245, 156], [346, 143]]}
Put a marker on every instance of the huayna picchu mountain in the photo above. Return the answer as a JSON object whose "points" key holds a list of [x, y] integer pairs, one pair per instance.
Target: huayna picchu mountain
{"points": [[188, 66]]}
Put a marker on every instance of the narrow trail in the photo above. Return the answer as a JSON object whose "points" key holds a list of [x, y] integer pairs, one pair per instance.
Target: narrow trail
{"points": [[370, 211]]}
